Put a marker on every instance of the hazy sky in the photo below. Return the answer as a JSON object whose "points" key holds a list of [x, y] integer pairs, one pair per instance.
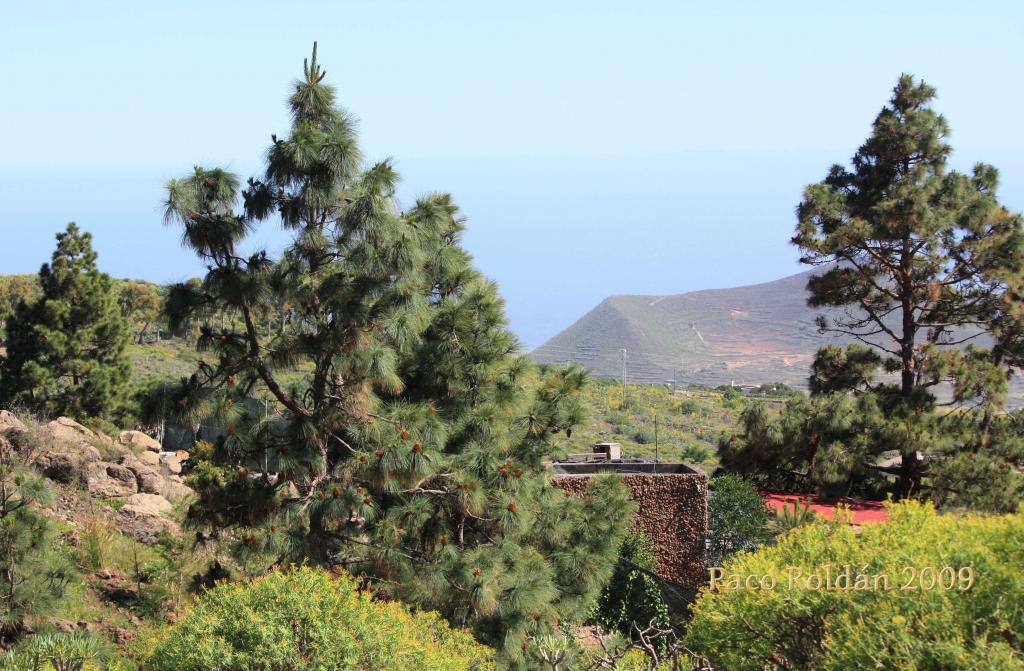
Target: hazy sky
{"points": [[596, 148]]}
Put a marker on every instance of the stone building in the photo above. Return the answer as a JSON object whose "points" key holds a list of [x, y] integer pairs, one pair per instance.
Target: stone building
{"points": [[672, 509]]}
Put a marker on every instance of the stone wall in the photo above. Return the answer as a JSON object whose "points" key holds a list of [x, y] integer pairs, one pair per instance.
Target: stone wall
{"points": [[672, 511]]}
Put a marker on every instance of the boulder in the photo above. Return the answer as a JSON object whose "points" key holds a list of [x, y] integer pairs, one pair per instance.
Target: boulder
{"points": [[64, 430], [66, 461], [144, 525], [137, 440], [171, 463], [10, 424], [61, 466], [150, 458], [149, 480], [176, 491], [104, 479], [150, 503], [123, 635]]}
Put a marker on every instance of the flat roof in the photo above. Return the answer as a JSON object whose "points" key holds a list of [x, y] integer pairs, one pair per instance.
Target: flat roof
{"points": [[645, 467]]}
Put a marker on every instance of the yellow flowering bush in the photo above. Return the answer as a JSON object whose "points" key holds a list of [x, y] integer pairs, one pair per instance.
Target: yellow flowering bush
{"points": [[923, 591], [305, 619]]}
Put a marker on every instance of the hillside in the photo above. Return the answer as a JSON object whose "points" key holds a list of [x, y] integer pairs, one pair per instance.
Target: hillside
{"points": [[656, 421], [748, 335]]}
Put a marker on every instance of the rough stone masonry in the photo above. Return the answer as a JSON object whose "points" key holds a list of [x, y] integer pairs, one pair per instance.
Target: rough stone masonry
{"points": [[672, 510]]}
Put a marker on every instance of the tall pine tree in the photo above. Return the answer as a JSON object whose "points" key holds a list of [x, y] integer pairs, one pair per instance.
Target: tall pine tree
{"points": [[409, 432], [66, 349], [922, 268]]}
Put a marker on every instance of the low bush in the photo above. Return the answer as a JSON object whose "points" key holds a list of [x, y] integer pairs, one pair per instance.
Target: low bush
{"points": [[950, 598], [632, 597], [305, 619], [738, 520]]}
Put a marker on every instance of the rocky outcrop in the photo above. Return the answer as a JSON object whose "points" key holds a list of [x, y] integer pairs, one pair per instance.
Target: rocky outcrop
{"points": [[152, 504], [130, 469], [149, 458], [175, 491], [68, 431], [66, 467], [64, 449]]}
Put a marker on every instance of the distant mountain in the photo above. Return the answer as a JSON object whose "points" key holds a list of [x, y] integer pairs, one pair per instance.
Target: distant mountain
{"points": [[748, 335]]}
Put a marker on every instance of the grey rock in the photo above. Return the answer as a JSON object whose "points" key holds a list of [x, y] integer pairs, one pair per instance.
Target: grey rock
{"points": [[149, 480], [150, 503], [104, 479], [142, 524]]}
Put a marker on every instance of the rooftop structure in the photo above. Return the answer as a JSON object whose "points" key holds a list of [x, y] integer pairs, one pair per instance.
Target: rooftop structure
{"points": [[672, 506]]}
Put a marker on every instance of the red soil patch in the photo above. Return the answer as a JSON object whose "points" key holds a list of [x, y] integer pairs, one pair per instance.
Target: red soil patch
{"points": [[861, 512]]}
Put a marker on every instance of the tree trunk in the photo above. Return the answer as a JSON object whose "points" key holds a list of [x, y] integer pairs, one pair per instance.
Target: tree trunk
{"points": [[910, 467]]}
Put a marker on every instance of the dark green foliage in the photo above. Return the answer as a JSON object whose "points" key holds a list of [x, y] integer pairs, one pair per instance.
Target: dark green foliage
{"points": [[918, 264], [837, 369], [32, 577], [66, 349], [13, 290], [825, 444], [407, 435], [738, 520], [985, 476], [633, 596], [644, 437]]}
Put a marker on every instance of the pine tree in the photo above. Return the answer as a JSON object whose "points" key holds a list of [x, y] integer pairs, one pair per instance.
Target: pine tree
{"points": [[32, 579], [66, 350], [920, 261], [409, 432]]}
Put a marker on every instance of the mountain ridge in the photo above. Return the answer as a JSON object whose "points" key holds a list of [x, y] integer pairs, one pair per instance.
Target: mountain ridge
{"points": [[751, 334]]}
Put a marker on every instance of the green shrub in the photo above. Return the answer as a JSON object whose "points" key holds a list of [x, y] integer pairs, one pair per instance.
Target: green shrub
{"points": [[59, 652], [304, 620], [971, 619], [697, 453], [633, 596], [738, 519], [794, 515], [689, 407], [643, 437]]}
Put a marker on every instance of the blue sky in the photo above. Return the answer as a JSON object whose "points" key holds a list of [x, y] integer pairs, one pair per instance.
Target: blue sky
{"points": [[596, 148]]}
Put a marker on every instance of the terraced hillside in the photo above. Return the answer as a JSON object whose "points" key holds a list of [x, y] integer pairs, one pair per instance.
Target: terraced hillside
{"points": [[748, 335]]}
